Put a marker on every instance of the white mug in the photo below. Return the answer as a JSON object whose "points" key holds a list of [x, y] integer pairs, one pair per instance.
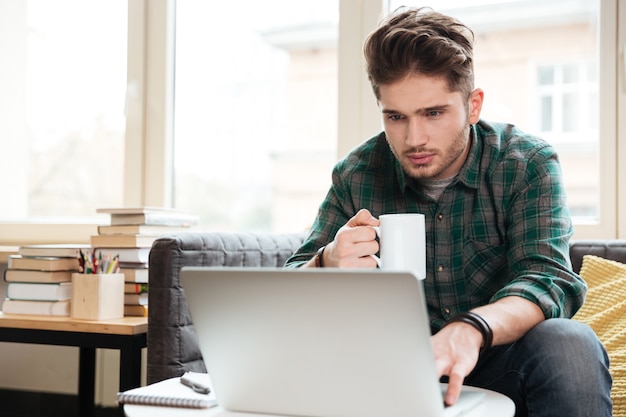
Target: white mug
{"points": [[402, 243]]}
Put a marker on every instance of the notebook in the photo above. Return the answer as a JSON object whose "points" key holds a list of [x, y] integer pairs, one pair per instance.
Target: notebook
{"points": [[171, 392], [317, 342]]}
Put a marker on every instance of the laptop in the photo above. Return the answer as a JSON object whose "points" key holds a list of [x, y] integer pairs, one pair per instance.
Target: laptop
{"points": [[317, 342]]}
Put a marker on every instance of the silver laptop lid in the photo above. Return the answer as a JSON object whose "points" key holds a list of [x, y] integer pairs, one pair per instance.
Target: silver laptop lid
{"points": [[324, 342]]}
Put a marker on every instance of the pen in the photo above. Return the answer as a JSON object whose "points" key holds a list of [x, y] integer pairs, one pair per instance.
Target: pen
{"points": [[112, 265], [81, 260], [194, 385]]}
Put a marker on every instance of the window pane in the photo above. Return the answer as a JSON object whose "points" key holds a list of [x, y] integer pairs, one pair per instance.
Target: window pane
{"points": [[570, 112], [592, 72], [545, 76], [546, 113], [62, 106], [570, 74], [593, 101], [255, 112], [537, 63]]}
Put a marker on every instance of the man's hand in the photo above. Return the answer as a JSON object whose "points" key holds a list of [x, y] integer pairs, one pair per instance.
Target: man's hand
{"points": [[456, 348], [354, 243], [457, 345]]}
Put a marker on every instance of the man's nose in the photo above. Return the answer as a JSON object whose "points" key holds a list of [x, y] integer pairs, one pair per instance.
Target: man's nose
{"points": [[416, 134]]}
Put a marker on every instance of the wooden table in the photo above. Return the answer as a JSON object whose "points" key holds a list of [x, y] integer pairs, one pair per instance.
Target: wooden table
{"points": [[127, 334]]}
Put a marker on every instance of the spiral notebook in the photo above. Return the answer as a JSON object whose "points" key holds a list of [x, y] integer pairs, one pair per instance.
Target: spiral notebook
{"points": [[170, 392]]}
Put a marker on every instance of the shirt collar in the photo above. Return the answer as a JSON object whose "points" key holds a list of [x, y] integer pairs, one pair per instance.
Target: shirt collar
{"points": [[469, 173]]}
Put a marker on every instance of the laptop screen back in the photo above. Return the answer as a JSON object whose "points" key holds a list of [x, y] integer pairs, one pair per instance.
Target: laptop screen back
{"points": [[323, 342]]}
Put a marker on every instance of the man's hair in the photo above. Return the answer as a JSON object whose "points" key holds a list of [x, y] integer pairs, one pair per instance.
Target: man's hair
{"points": [[421, 41]]}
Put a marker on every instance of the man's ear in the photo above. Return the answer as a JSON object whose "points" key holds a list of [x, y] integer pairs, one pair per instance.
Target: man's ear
{"points": [[475, 105]]}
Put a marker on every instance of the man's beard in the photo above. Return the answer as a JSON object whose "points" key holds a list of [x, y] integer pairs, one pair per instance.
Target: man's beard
{"points": [[442, 160]]}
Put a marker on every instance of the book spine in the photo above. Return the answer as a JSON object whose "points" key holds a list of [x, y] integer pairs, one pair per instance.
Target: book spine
{"points": [[135, 288], [47, 308], [135, 299]]}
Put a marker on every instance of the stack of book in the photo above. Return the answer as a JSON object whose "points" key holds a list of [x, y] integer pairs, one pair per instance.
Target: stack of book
{"points": [[129, 236], [135, 299], [39, 279]]}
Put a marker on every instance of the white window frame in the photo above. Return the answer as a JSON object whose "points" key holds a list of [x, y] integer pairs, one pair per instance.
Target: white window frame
{"points": [[620, 138], [150, 103], [149, 106], [606, 226], [557, 91], [149, 127]]}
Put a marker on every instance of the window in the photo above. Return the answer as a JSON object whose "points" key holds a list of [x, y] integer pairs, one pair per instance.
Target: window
{"points": [[62, 122], [567, 116], [102, 81], [255, 112], [568, 101]]}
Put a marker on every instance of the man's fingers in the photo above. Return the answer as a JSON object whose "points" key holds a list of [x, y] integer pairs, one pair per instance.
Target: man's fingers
{"points": [[445, 366], [454, 358], [455, 385], [363, 218], [354, 242], [353, 245]]}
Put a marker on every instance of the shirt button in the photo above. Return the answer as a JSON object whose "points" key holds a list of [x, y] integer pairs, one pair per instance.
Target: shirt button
{"points": [[446, 311], [440, 217], [440, 268]]}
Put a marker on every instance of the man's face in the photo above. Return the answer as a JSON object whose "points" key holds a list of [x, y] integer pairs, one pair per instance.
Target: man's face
{"points": [[427, 125]]}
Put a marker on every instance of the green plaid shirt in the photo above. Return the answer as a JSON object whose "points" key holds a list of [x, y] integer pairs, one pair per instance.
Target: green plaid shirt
{"points": [[501, 228]]}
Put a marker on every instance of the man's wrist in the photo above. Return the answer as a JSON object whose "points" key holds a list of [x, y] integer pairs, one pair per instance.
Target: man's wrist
{"points": [[319, 258], [479, 323]]}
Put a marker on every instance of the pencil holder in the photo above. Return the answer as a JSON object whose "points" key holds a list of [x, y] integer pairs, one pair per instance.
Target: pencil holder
{"points": [[97, 296]]}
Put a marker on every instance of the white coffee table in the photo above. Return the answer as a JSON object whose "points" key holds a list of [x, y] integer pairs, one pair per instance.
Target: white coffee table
{"points": [[494, 405]]}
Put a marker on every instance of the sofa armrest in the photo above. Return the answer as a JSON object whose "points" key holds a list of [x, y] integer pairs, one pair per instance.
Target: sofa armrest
{"points": [[172, 341], [613, 249]]}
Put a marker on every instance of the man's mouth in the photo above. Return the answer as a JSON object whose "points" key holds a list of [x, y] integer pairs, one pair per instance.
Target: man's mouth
{"points": [[421, 158]]}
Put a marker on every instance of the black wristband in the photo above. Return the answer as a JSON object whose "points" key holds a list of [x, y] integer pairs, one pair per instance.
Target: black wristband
{"points": [[479, 323], [319, 257]]}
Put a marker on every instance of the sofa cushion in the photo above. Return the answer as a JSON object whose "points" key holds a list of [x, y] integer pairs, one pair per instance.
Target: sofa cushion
{"points": [[605, 312]]}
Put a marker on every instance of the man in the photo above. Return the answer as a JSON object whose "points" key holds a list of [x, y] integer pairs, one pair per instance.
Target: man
{"points": [[499, 285]]}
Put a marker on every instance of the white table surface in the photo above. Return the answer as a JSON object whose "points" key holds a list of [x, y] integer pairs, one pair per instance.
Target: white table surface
{"points": [[494, 405]]}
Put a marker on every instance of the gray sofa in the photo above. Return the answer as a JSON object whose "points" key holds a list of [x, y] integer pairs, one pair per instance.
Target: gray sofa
{"points": [[172, 341]]}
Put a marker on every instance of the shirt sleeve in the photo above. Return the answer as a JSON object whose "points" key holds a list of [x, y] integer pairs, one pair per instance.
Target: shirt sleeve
{"points": [[539, 230]]}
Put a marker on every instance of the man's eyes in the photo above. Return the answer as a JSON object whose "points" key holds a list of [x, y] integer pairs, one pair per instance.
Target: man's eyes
{"points": [[431, 114], [395, 117]]}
